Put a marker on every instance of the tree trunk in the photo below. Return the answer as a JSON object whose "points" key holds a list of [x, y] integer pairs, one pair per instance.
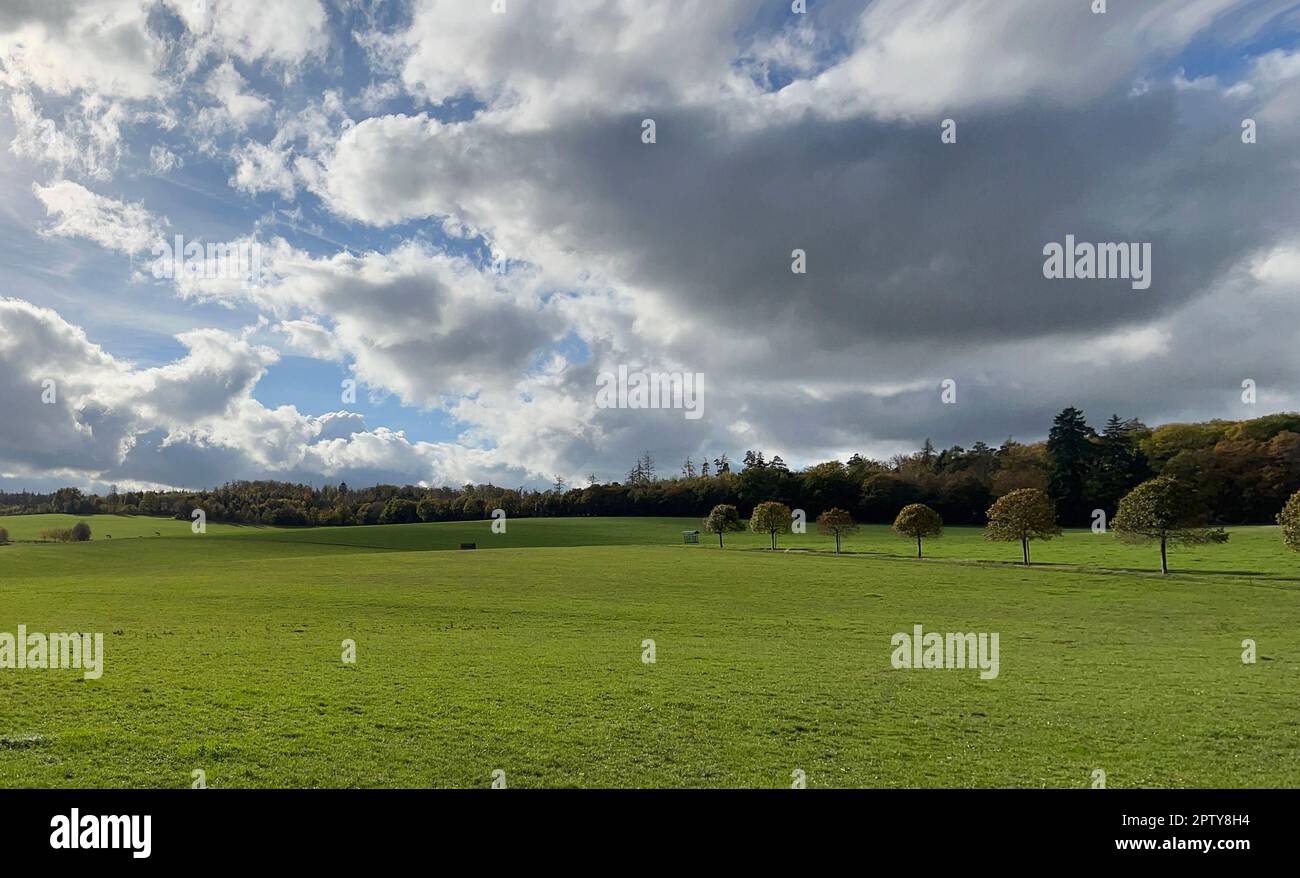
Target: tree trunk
{"points": [[1164, 559], [1024, 544], [773, 539], [918, 547], [837, 542], [719, 539]]}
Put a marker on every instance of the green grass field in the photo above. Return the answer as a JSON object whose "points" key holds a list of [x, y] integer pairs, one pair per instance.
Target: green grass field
{"points": [[223, 654], [105, 527]]}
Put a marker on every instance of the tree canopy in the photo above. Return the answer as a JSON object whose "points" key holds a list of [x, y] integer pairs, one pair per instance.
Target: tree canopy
{"points": [[723, 519], [770, 518], [916, 521], [1289, 518], [1166, 510], [1021, 516], [837, 523]]}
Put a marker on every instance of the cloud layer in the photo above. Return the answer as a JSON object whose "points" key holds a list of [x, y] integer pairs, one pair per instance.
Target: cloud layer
{"points": [[460, 209]]}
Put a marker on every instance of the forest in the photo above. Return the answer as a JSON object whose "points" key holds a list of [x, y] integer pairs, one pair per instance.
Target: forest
{"points": [[1243, 472]]}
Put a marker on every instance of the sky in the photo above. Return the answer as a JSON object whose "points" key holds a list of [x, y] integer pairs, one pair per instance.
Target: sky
{"points": [[459, 215]]}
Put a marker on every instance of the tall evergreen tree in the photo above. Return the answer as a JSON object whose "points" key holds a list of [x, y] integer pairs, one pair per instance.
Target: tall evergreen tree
{"points": [[1070, 445]]}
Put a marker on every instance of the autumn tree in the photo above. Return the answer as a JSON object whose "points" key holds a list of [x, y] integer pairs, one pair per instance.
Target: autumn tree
{"points": [[1168, 510], [837, 523], [399, 511], [770, 518], [1023, 515], [1289, 518], [723, 519], [917, 520]]}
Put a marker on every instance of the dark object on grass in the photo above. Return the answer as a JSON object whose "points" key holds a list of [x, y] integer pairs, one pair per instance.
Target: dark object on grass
{"points": [[469, 545]]}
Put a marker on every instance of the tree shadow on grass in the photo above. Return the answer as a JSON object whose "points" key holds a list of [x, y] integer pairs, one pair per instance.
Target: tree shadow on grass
{"points": [[1054, 566]]}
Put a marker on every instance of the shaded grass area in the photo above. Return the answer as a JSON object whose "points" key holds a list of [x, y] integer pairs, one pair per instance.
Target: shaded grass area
{"points": [[1252, 551]]}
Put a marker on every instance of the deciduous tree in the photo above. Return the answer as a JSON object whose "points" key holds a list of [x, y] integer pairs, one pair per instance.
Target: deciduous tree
{"points": [[771, 518], [723, 519], [838, 523], [1168, 510], [1023, 515], [1289, 518], [916, 521]]}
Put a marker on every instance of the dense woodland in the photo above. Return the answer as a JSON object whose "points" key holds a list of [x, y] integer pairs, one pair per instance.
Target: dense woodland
{"points": [[1244, 472]]}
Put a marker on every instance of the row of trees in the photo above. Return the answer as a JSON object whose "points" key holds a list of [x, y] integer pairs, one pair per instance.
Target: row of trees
{"points": [[78, 533], [1242, 471], [1164, 510]]}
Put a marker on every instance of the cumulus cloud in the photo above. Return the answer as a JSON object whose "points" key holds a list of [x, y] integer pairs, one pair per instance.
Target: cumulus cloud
{"points": [[542, 60], [191, 422], [61, 46], [921, 57], [284, 32], [414, 321], [310, 338]]}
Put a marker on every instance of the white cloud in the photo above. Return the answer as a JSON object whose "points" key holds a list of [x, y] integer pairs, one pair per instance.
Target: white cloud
{"points": [[162, 160], [415, 321], [175, 423], [79, 213], [539, 61], [89, 142], [104, 47], [262, 168], [675, 256], [921, 57], [308, 337], [1280, 267], [282, 32], [229, 88]]}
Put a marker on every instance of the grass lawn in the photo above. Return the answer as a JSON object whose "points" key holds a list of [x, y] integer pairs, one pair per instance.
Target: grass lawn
{"points": [[103, 527], [223, 653]]}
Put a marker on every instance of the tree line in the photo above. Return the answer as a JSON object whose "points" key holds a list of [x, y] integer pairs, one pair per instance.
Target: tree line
{"points": [[1241, 471], [1164, 510]]}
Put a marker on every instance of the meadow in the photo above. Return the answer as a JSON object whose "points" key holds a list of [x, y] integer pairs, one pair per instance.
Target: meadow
{"points": [[223, 653]]}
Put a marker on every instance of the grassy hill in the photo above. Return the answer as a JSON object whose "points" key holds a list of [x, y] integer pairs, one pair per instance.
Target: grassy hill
{"points": [[103, 527]]}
